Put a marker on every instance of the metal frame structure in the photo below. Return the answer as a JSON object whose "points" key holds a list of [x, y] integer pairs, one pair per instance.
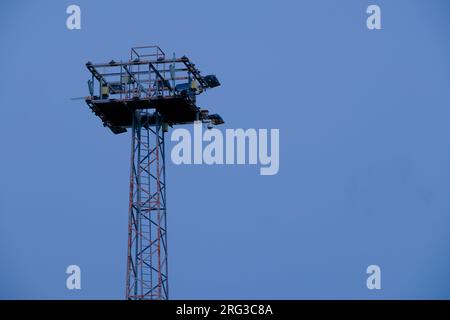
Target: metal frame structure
{"points": [[148, 81], [147, 94], [147, 270]]}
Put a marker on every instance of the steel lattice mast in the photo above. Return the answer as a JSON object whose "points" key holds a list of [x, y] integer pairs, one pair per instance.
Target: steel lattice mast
{"points": [[147, 237], [148, 94]]}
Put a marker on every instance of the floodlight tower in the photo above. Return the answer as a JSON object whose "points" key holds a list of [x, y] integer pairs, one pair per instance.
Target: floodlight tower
{"points": [[148, 94]]}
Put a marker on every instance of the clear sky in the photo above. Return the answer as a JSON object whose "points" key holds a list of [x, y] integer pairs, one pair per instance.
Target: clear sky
{"points": [[364, 161]]}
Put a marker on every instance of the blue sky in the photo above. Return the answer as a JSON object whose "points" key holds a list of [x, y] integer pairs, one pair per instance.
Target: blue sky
{"points": [[364, 150]]}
